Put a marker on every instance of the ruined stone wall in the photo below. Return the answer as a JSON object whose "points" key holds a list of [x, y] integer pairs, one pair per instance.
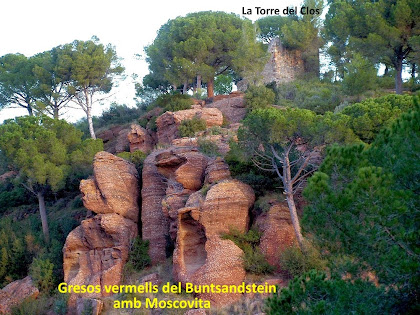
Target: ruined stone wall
{"points": [[283, 66]]}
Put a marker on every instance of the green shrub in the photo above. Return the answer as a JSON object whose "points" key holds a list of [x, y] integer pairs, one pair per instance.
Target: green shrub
{"points": [[258, 97], [189, 127], [263, 203], [118, 114], [317, 96], [215, 130], [208, 147], [173, 102], [296, 263], [139, 254], [359, 77], [313, 293], [253, 260], [242, 168], [60, 304], [30, 306], [136, 157], [41, 271], [370, 116]]}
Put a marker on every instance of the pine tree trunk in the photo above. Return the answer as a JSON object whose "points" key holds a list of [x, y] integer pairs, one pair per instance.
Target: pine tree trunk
{"points": [[210, 88], [288, 190], [398, 76], [198, 81], [44, 220], [185, 88], [295, 219], [89, 115], [55, 109], [30, 110]]}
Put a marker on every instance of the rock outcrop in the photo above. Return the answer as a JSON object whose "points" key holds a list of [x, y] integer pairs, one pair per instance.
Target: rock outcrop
{"points": [[201, 256], [169, 177], [140, 139], [95, 252], [15, 292], [168, 122], [115, 139], [232, 106], [190, 200], [277, 232], [114, 187]]}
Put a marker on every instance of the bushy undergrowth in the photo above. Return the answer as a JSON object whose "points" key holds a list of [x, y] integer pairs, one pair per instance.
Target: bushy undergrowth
{"points": [[208, 147], [253, 259], [189, 127], [314, 293], [243, 169], [22, 245], [317, 96], [139, 254], [172, 102], [370, 116], [116, 115], [258, 97], [296, 263]]}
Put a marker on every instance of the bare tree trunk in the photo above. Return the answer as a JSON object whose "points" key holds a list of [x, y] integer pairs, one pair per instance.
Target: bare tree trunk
{"points": [[288, 190], [398, 76], [210, 88], [295, 219], [55, 109], [43, 213], [198, 81], [30, 110], [89, 116], [185, 88]]}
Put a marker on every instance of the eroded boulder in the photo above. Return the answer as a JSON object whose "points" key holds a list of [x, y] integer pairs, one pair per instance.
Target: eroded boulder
{"points": [[169, 177], [95, 252], [113, 188], [201, 256], [232, 106], [277, 232], [15, 292], [140, 139]]}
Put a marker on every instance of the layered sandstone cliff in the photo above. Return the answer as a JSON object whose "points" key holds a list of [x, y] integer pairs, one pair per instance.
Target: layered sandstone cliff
{"points": [[95, 252]]}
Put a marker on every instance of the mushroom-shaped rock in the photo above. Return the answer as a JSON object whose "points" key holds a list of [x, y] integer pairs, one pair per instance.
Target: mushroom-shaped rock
{"points": [[114, 187]]}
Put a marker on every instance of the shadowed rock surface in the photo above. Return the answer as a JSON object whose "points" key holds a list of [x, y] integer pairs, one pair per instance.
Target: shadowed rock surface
{"points": [[201, 256], [278, 233], [140, 139]]}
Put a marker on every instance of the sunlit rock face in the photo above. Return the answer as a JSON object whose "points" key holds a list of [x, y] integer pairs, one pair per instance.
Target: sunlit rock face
{"points": [[95, 252]]}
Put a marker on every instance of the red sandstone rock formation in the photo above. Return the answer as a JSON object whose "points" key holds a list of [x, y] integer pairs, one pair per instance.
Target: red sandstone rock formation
{"points": [[168, 122], [115, 139], [114, 187], [201, 256], [96, 251], [14, 293], [232, 106], [169, 177], [140, 139], [278, 232]]}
